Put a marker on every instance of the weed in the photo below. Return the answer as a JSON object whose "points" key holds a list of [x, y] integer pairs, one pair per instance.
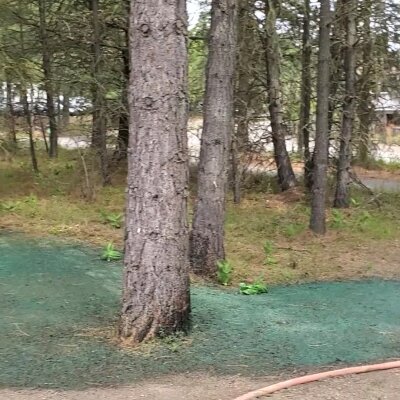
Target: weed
{"points": [[337, 219], [268, 250], [110, 254], [257, 287], [112, 219], [224, 272]]}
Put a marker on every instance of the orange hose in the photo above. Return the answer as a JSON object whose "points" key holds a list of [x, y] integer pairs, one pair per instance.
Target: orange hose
{"points": [[317, 377]]}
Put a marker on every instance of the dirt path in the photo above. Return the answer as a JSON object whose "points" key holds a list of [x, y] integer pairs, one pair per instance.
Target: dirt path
{"points": [[373, 386]]}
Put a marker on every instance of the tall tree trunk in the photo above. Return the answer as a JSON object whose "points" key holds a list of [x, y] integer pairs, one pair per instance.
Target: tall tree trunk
{"points": [[99, 131], [305, 97], [366, 85], [342, 198], [48, 78], [29, 125], [207, 235], [123, 129], [242, 98], [286, 175], [156, 280], [337, 56], [11, 113], [320, 164]]}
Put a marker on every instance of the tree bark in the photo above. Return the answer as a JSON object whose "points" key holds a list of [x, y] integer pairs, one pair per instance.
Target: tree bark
{"points": [[156, 281], [305, 96], [65, 110], [286, 175], [207, 235], [320, 159], [48, 78], [99, 129], [342, 199]]}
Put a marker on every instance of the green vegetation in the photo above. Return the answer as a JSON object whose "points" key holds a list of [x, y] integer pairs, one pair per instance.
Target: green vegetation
{"points": [[266, 236], [258, 287], [224, 272], [110, 254]]}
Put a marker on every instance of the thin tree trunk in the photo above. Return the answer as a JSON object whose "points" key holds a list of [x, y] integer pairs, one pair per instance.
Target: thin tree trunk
{"points": [[99, 131], [11, 113], [65, 110], [207, 235], [320, 164], [156, 280], [123, 129], [342, 198], [305, 97], [286, 175], [366, 85], [29, 124], [48, 79], [242, 98]]}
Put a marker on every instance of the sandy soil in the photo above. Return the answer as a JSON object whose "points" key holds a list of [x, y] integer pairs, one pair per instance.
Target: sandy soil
{"points": [[373, 386]]}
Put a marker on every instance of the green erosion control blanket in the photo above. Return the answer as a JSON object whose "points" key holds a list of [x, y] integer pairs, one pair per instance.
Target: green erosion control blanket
{"points": [[57, 300]]}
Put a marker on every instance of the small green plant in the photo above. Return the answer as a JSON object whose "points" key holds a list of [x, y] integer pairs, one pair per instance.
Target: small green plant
{"points": [[9, 206], [268, 250], [110, 254], [337, 219], [113, 219], [224, 272], [354, 202], [257, 287]]}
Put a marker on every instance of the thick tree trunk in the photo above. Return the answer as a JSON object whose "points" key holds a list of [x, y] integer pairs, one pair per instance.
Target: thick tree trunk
{"points": [[342, 198], [320, 161], [11, 113], [48, 79], [305, 97], [207, 236], [29, 125], [156, 280], [99, 129], [286, 175]]}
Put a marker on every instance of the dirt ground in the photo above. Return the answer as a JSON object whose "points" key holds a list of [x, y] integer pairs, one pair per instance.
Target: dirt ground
{"points": [[372, 386]]}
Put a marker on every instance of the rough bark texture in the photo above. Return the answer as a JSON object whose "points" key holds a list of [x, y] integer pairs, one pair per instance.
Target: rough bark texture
{"points": [[156, 281], [48, 79], [342, 198], [320, 167], [207, 236], [99, 129], [305, 97], [286, 175]]}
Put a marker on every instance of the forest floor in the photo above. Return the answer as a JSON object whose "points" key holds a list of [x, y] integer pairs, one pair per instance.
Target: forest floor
{"points": [[266, 237]]}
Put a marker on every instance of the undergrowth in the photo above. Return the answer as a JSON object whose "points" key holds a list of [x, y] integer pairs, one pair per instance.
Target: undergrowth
{"points": [[267, 235]]}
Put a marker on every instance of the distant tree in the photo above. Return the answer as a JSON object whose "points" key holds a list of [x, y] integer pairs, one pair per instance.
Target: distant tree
{"points": [[156, 281], [207, 235], [286, 176], [342, 198], [320, 157]]}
